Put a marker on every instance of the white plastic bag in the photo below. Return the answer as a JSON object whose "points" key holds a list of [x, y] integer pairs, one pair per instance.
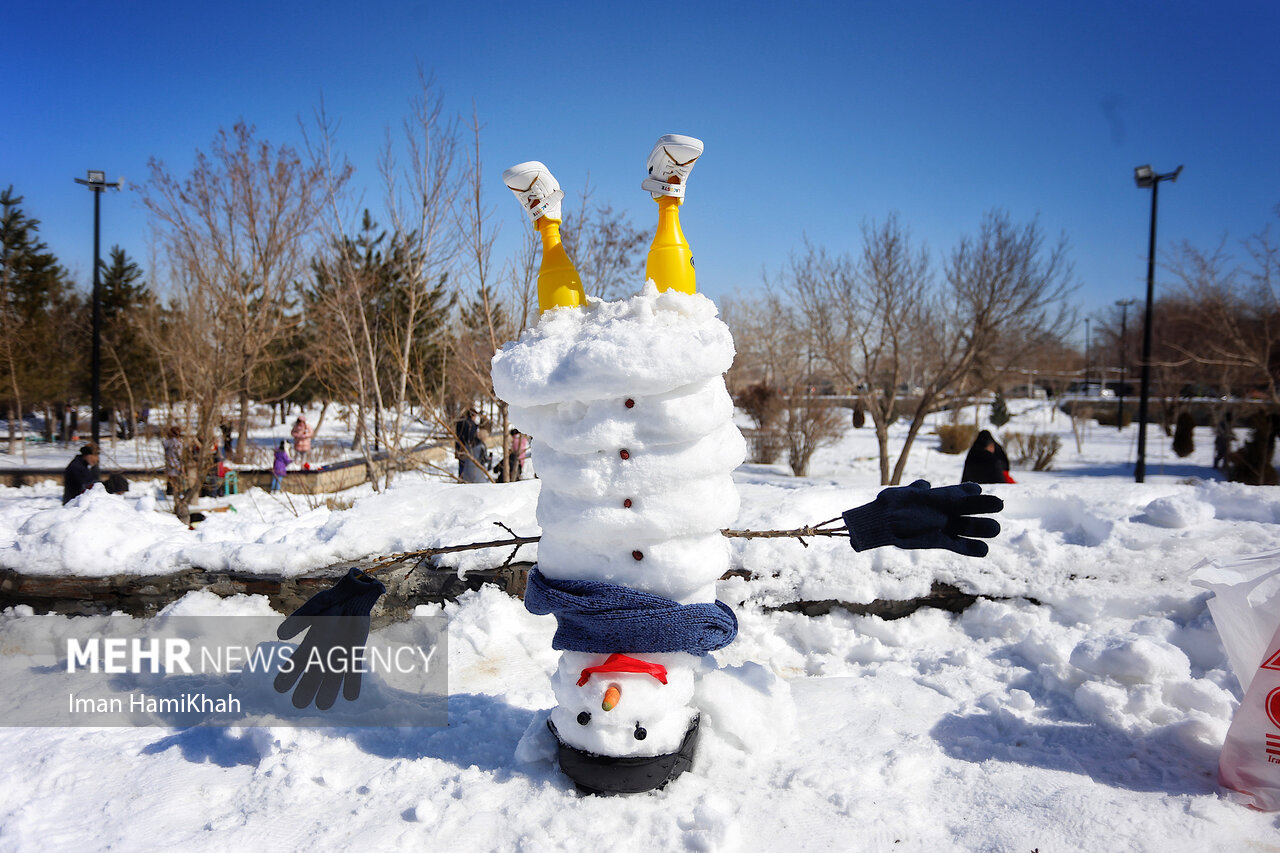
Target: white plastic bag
{"points": [[1246, 610], [1249, 763], [1245, 607]]}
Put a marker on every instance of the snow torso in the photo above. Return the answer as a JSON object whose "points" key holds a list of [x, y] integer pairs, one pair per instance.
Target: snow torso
{"points": [[635, 446]]}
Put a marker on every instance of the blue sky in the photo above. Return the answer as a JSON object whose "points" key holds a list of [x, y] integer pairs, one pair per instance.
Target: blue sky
{"points": [[816, 116]]}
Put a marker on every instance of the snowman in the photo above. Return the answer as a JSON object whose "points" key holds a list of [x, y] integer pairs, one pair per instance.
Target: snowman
{"points": [[636, 448]]}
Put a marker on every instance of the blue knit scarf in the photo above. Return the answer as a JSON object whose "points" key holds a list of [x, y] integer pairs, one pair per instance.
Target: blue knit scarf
{"points": [[592, 616]]}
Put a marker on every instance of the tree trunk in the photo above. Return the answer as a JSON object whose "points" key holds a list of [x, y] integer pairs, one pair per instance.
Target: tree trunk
{"points": [[242, 426], [508, 474], [917, 420], [15, 407], [882, 443], [357, 438], [324, 408]]}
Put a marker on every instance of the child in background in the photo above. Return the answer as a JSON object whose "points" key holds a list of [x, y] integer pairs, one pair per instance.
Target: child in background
{"points": [[279, 467], [301, 434]]}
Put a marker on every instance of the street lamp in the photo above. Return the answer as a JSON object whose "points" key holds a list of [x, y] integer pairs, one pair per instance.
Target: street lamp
{"points": [[1124, 346], [1088, 356], [96, 183], [1145, 177]]}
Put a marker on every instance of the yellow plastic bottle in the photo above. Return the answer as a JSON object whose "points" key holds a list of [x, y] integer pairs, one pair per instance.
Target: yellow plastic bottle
{"points": [[558, 283], [670, 262]]}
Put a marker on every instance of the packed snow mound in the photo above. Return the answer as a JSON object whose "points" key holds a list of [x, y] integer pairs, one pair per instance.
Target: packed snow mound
{"points": [[633, 439], [582, 426], [1177, 511], [95, 534], [658, 341], [635, 445], [98, 534]]}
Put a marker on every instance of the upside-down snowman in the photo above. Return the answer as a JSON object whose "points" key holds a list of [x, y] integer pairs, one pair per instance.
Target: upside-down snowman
{"points": [[636, 448]]}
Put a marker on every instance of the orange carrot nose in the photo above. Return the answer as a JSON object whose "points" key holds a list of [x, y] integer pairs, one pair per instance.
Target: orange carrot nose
{"points": [[611, 697]]}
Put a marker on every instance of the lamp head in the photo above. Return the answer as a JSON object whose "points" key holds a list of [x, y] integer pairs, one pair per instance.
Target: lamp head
{"points": [[1144, 177]]}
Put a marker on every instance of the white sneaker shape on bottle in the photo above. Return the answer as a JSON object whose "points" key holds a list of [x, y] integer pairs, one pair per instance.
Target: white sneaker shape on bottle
{"points": [[535, 188], [670, 163]]}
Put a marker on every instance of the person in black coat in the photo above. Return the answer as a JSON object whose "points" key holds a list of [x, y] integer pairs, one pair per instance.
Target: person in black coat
{"points": [[81, 474], [986, 462], [466, 434]]}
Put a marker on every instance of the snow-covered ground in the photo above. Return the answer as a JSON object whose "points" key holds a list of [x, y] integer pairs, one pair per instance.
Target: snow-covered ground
{"points": [[1079, 705]]}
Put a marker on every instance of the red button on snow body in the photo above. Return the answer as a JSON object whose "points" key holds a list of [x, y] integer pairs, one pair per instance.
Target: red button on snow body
{"points": [[638, 555], [627, 503], [630, 403], [624, 454]]}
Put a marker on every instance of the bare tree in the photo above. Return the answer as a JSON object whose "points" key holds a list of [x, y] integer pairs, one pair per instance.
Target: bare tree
{"points": [[235, 233], [866, 319], [1234, 309], [422, 205], [380, 302], [885, 329], [774, 377], [485, 322]]}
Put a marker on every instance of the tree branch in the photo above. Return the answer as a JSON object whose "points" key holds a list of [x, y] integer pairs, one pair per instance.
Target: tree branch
{"points": [[822, 529]]}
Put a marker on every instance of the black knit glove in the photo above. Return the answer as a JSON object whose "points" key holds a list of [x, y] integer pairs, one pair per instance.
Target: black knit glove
{"points": [[917, 516], [330, 657]]}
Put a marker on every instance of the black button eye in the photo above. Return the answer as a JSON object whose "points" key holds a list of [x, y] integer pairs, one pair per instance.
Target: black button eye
{"points": [[640, 733], [584, 718]]}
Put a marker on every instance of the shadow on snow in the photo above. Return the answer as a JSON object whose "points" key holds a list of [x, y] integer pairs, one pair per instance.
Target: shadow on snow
{"points": [[1163, 761], [483, 732]]}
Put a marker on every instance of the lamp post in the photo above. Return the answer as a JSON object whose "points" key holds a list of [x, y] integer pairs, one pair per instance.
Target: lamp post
{"points": [[1088, 356], [1124, 346], [1145, 177], [96, 183]]}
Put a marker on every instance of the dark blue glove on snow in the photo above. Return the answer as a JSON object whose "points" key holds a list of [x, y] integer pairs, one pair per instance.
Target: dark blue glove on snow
{"points": [[917, 516], [331, 656]]}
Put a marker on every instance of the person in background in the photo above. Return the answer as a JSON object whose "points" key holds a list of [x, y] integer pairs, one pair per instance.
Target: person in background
{"points": [[1223, 438], [301, 433], [465, 436], [474, 467], [81, 474], [225, 429], [174, 470], [518, 453], [986, 462], [279, 466]]}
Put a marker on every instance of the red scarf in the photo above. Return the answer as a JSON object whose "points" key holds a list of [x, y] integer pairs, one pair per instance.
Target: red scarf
{"points": [[622, 663]]}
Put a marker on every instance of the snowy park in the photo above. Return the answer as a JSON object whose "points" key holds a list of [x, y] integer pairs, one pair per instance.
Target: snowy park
{"points": [[1079, 703], [373, 337]]}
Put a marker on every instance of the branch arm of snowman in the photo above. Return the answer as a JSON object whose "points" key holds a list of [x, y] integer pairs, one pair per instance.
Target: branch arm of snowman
{"points": [[912, 517]]}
